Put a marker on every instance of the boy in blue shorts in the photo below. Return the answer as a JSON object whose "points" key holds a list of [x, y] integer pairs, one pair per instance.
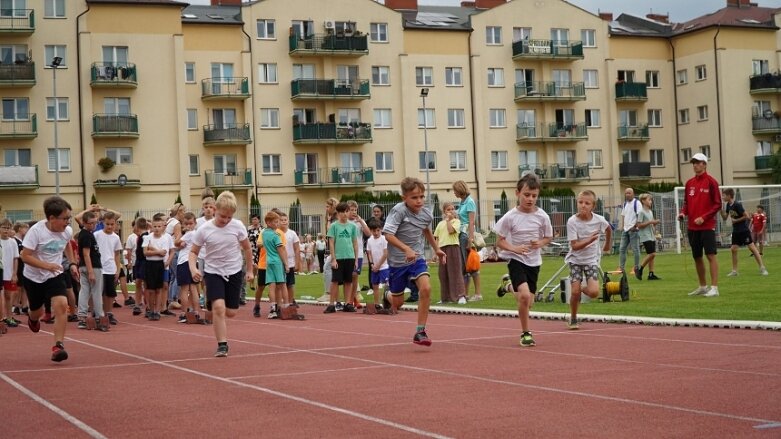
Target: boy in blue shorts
{"points": [[377, 252], [407, 224]]}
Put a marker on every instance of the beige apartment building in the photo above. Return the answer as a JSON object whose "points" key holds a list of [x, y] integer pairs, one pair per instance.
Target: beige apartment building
{"points": [[294, 99]]}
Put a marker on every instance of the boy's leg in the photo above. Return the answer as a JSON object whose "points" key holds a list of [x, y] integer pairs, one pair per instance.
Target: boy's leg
{"points": [[218, 320], [423, 283], [734, 250], [574, 300], [59, 310], [524, 298], [636, 248]]}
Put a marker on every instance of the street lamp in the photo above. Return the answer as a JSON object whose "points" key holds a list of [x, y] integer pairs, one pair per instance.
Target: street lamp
{"points": [[424, 94], [56, 63]]}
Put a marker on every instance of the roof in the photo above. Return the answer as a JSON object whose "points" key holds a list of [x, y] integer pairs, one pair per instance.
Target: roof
{"points": [[632, 25], [438, 17], [212, 15], [140, 2]]}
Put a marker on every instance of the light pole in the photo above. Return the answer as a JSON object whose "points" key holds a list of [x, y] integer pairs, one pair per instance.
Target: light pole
{"points": [[424, 94], [56, 63]]}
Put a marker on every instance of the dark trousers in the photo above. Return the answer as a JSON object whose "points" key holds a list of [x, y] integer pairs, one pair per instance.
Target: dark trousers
{"points": [[320, 259]]}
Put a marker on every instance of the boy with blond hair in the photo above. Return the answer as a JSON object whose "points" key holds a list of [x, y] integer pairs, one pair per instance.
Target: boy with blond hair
{"points": [[188, 289], [157, 251], [293, 252], [276, 261], [110, 247]]}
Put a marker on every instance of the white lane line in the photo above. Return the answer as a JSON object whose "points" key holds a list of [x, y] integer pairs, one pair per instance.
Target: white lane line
{"points": [[57, 369], [311, 372], [768, 426], [57, 410]]}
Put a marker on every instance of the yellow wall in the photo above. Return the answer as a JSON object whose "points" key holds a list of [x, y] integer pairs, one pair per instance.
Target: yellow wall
{"points": [[435, 42], [639, 48], [221, 38], [697, 42], [135, 19]]}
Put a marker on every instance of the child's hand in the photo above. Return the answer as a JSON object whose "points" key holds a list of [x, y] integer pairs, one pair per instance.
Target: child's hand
{"points": [[375, 269], [250, 276], [521, 249], [334, 264], [410, 255], [534, 244], [442, 257]]}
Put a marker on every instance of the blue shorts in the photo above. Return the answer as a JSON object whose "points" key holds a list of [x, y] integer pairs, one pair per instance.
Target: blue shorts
{"points": [[358, 266], [379, 277], [275, 274], [405, 276]]}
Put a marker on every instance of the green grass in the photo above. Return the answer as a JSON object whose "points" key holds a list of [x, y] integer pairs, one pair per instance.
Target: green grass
{"points": [[745, 297]]}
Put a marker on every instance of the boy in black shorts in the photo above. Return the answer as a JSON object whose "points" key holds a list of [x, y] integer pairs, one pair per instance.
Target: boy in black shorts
{"points": [[741, 234]]}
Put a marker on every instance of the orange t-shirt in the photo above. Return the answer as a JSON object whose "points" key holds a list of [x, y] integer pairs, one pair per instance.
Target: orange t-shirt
{"points": [[262, 249]]}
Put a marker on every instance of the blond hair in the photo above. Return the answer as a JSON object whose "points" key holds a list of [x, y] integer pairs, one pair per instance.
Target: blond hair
{"points": [[460, 189], [226, 200]]}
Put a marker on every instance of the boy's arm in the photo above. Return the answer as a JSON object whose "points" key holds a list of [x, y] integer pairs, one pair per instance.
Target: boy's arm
{"points": [[355, 250], [396, 242], [297, 251], [723, 213], [192, 260], [247, 248], [382, 260], [608, 238], [169, 256], [117, 263], [282, 254], [80, 216], [116, 213]]}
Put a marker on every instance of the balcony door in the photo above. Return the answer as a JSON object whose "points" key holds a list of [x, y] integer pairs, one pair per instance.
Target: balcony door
{"points": [[116, 106], [304, 116], [224, 118], [16, 109], [10, 54], [627, 118], [115, 56], [565, 118], [303, 28], [346, 75], [306, 164], [13, 8], [527, 119], [222, 73], [224, 165]]}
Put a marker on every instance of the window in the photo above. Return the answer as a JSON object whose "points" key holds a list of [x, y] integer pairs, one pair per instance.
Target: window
{"points": [[195, 166], [627, 118], [382, 118], [378, 32], [521, 33], [271, 164], [304, 115], [702, 112], [455, 118], [657, 158], [189, 72], [590, 79], [225, 164], [50, 51], [383, 161], [498, 160], [303, 29], [652, 79], [761, 109], [351, 160], [349, 115], [267, 73], [681, 77], [566, 158], [497, 118], [528, 158], [269, 118], [495, 77], [458, 160], [115, 55], [594, 157], [592, 118], [303, 71], [380, 75], [654, 118], [266, 29], [18, 157], [763, 148], [306, 164], [626, 75], [701, 72], [630, 156], [705, 149], [16, 109], [426, 118], [57, 108], [64, 156], [116, 106], [19, 215], [192, 119], [589, 37], [120, 156], [686, 155], [683, 116], [493, 35], [424, 76], [54, 9], [427, 160], [760, 66], [453, 76], [560, 37], [14, 53]]}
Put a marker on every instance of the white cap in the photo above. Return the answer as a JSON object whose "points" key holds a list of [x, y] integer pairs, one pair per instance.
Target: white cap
{"points": [[700, 157]]}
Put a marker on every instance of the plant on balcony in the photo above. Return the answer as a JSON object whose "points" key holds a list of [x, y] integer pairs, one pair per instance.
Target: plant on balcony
{"points": [[106, 164]]}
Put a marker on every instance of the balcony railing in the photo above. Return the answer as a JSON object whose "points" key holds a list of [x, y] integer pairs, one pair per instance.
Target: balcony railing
{"points": [[329, 89], [334, 177], [548, 49], [17, 21], [114, 125], [227, 134], [633, 134], [549, 91], [120, 176], [233, 178], [332, 133], [556, 172], [17, 75], [19, 177], [634, 170], [763, 163], [335, 44], [111, 74], [768, 124], [560, 132], [225, 88], [767, 83], [631, 91], [19, 127]]}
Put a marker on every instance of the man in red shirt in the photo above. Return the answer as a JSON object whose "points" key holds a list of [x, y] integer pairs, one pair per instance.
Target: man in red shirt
{"points": [[758, 222], [701, 203]]}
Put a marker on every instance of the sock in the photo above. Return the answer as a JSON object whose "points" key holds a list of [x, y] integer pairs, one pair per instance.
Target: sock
{"points": [[420, 328]]}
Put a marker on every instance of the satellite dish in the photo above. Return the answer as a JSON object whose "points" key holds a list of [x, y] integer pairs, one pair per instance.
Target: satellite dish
{"points": [[122, 180]]}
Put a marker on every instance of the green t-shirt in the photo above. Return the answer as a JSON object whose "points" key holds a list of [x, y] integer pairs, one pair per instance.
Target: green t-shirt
{"points": [[271, 243], [647, 232], [343, 236]]}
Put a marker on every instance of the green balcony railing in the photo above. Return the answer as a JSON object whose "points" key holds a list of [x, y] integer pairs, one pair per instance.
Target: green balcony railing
{"points": [[114, 125], [329, 89], [227, 134], [763, 163], [225, 88], [111, 74], [526, 132], [565, 132], [636, 133], [17, 75], [332, 133], [19, 126], [556, 171], [550, 91], [767, 83], [768, 124], [17, 21], [631, 91], [19, 177], [548, 49], [329, 44], [634, 170], [335, 177], [239, 177]]}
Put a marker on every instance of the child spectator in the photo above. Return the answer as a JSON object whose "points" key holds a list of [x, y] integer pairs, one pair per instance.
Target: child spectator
{"points": [[276, 257], [343, 242], [253, 234], [741, 235], [293, 252], [143, 303], [91, 272], [521, 234], [647, 236], [583, 232], [130, 258], [406, 227], [157, 250], [330, 218], [8, 268], [20, 229], [758, 225], [309, 255], [320, 248], [377, 253], [188, 289], [110, 247], [451, 279], [363, 229]]}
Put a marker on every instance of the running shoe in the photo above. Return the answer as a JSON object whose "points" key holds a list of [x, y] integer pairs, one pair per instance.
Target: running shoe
{"points": [[339, 306], [713, 292], [421, 338], [639, 273], [462, 300], [59, 353], [652, 276], [348, 307], [222, 351], [573, 324], [329, 309], [116, 304], [73, 318], [732, 273], [82, 324], [34, 325], [504, 286], [130, 301], [256, 310], [763, 271], [11, 322], [527, 340], [137, 310], [182, 318], [699, 291], [112, 320]]}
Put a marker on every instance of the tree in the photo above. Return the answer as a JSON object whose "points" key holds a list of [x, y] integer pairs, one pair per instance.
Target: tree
{"points": [[504, 206], [254, 206], [775, 165], [93, 200], [178, 199]]}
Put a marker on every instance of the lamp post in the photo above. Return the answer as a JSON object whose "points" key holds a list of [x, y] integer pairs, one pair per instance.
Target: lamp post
{"points": [[424, 94], [56, 63]]}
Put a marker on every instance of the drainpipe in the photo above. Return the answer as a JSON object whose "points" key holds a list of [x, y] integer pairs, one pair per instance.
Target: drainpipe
{"points": [[675, 105], [252, 100], [80, 119], [718, 102], [474, 120]]}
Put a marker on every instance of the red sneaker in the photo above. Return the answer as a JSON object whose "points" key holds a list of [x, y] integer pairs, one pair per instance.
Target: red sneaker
{"points": [[421, 338], [34, 325], [58, 352], [47, 318]]}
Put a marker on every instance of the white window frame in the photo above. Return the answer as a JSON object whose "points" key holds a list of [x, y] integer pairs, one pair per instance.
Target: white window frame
{"points": [[760, 66], [60, 108], [383, 118], [682, 77], [381, 75], [192, 119], [454, 77], [701, 72], [378, 32], [430, 119], [590, 78], [189, 72], [455, 118], [593, 118], [594, 158], [652, 79], [702, 113], [654, 118], [423, 74], [528, 158], [499, 161], [559, 37], [269, 118], [65, 159], [705, 149], [431, 162], [52, 50], [521, 33], [656, 157], [493, 35], [383, 161], [457, 160], [683, 116], [497, 118], [15, 159], [269, 29], [271, 164], [54, 9], [566, 158], [588, 37], [267, 73], [495, 77], [686, 155], [197, 164], [120, 155]]}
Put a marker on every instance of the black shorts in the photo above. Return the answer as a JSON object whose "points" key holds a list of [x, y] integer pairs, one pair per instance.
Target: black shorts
{"points": [[153, 274], [122, 272], [183, 275], [650, 247], [700, 240], [741, 238], [290, 277], [218, 287], [37, 293], [109, 286], [138, 270], [343, 273], [521, 273], [261, 277]]}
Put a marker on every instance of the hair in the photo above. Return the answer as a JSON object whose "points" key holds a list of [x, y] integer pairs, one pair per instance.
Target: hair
{"points": [[644, 197], [158, 217], [207, 200], [447, 204], [5, 222], [341, 207], [280, 213], [109, 215], [352, 203], [729, 191], [54, 206], [332, 201], [587, 193], [226, 200], [271, 216], [373, 224], [189, 216], [379, 206], [529, 180], [207, 192], [409, 184], [88, 215], [175, 209], [319, 236], [254, 215], [142, 223], [760, 207], [460, 189], [19, 225]]}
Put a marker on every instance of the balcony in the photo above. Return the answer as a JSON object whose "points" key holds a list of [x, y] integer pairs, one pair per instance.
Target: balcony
{"points": [[19, 177], [334, 44], [557, 172], [631, 91], [240, 178], [120, 177], [634, 171], [551, 50], [770, 123], [334, 177], [633, 134], [549, 91], [115, 126], [113, 75], [552, 132], [325, 133], [21, 74], [23, 127], [327, 89], [765, 84], [17, 22], [227, 134], [763, 164], [225, 88]]}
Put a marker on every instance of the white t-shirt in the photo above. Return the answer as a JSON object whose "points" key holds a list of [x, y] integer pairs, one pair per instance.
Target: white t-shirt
{"points": [[108, 245], [578, 229], [291, 237], [184, 252], [131, 244], [47, 246], [520, 228], [629, 213], [164, 242], [360, 238], [223, 254], [201, 220], [170, 225], [376, 248], [10, 252]]}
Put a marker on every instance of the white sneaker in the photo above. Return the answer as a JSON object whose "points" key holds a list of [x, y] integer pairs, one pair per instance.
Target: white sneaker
{"points": [[713, 292], [732, 273], [462, 300], [699, 291], [763, 271], [324, 298]]}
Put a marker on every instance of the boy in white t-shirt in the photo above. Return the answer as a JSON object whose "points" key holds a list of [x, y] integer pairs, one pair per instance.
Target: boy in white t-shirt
{"points": [[363, 229], [583, 232], [293, 251], [9, 267], [109, 247], [188, 289], [158, 253], [130, 257], [377, 252]]}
